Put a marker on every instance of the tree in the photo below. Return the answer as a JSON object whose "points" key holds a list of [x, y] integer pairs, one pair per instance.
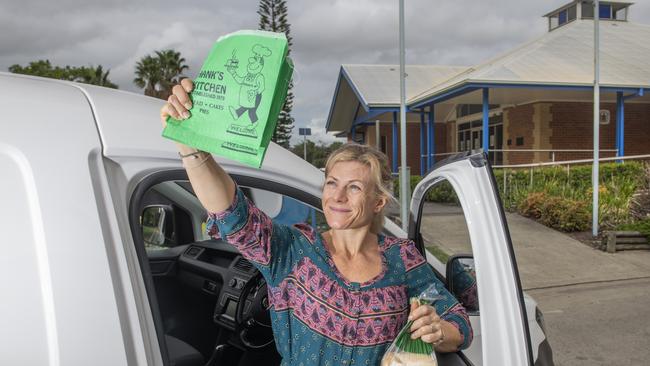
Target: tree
{"points": [[172, 65], [94, 75], [158, 73], [148, 75], [273, 18], [88, 75], [316, 154]]}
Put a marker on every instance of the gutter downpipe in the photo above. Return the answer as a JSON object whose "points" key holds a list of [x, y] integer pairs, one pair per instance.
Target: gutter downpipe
{"points": [[486, 120], [377, 136], [431, 147], [620, 123], [394, 159], [594, 170], [423, 140], [404, 176]]}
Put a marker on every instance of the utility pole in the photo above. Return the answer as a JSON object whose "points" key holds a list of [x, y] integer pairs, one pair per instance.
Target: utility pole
{"points": [[304, 132], [594, 169], [404, 173]]}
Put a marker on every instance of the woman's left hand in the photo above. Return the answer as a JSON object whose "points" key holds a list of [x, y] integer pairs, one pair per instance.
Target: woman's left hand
{"points": [[427, 325]]}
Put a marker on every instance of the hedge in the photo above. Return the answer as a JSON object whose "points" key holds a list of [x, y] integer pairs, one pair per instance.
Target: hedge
{"points": [[560, 197]]}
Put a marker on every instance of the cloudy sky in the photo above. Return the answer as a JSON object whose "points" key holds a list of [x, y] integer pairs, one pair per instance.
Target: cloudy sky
{"points": [[326, 34]]}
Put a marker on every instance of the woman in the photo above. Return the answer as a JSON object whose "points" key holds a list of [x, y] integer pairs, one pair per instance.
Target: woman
{"points": [[339, 297]]}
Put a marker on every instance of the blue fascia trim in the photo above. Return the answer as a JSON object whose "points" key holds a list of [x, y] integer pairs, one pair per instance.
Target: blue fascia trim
{"points": [[470, 87], [336, 92], [363, 102]]}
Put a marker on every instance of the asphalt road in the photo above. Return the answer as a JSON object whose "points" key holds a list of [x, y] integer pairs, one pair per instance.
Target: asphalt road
{"points": [[606, 323], [596, 305]]}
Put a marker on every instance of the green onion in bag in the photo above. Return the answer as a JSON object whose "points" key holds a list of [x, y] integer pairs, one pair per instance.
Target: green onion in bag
{"points": [[405, 351]]}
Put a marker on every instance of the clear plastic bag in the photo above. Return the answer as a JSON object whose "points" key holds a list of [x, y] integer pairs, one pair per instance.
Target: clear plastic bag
{"points": [[405, 351]]}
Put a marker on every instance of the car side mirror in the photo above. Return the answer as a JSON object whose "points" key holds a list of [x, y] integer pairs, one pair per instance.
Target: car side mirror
{"points": [[461, 281], [157, 222]]}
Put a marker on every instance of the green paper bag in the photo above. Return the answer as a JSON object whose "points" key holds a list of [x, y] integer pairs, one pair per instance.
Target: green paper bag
{"points": [[237, 97]]}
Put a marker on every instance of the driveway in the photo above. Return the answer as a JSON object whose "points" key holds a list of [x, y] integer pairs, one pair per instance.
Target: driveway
{"points": [[594, 303], [546, 257]]}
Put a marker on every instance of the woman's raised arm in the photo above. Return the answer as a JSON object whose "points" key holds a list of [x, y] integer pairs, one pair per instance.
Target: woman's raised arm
{"points": [[212, 185]]}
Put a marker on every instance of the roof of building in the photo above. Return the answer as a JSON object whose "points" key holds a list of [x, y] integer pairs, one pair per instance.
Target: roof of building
{"points": [[378, 85], [564, 57], [361, 87], [556, 66]]}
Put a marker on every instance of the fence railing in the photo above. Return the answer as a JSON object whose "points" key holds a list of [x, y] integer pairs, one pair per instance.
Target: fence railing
{"points": [[553, 154], [568, 164]]}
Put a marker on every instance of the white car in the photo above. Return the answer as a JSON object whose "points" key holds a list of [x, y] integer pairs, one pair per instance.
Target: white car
{"points": [[106, 261]]}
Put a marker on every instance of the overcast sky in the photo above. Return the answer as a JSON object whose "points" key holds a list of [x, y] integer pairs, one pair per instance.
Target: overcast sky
{"points": [[326, 34]]}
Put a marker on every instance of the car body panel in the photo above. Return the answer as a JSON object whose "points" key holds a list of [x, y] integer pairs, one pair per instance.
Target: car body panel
{"points": [[503, 332], [49, 138], [74, 155]]}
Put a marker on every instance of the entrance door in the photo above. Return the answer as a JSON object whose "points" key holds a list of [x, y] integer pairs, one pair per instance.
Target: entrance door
{"points": [[496, 143]]}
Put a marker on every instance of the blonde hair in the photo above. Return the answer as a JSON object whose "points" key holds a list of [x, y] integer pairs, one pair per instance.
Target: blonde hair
{"points": [[380, 174]]}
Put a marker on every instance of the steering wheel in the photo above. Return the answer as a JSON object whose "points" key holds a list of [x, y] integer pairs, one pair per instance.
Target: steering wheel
{"points": [[256, 322]]}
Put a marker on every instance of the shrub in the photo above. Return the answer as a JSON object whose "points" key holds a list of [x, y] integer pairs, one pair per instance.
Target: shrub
{"points": [[442, 192], [415, 179], [533, 204], [556, 212], [618, 184], [566, 214]]}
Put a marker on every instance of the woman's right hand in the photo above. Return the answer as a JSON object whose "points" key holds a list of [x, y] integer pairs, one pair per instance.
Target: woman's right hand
{"points": [[179, 102]]}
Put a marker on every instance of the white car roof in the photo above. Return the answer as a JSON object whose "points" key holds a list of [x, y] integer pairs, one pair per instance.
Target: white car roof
{"points": [[129, 126]]}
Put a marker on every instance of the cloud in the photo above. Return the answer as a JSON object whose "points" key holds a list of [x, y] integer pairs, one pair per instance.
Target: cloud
{"points": [[318, 134], [326, 34]]}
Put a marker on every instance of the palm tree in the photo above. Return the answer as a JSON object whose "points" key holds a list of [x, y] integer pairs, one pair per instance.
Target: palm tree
{"points": [[173, 66], [159, 73], [95, 76], [148, 75]]}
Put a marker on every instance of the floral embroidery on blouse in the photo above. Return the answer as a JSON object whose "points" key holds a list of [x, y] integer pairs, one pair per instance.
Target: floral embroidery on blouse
{"points": [[318, 316]]}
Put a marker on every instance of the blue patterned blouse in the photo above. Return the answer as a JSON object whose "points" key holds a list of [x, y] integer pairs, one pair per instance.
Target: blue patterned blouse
{"points": [[319, 317]]}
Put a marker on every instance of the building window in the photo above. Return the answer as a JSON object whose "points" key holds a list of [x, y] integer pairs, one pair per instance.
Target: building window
{"points": [[605, 11], [612, 11], [572, 13], [470, 134], [469, 109], [562, 17]]}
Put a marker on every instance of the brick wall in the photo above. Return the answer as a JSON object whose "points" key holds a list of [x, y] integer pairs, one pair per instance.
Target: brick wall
{"points": [[548, 125], [573, 129], [518, 127]]}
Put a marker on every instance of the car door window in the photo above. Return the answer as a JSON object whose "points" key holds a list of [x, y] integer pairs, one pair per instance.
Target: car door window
{"points": [[282, 209], [445, 235]]}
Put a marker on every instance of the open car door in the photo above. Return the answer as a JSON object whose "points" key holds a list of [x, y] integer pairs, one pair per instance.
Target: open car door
{"points": [[503, 338]]}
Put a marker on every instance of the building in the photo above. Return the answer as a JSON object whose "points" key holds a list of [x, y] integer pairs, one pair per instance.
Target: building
{"points": [[535, 101]]}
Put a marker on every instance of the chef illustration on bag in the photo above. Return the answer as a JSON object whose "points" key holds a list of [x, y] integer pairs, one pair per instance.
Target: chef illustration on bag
{"points": [[251, 88]]}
